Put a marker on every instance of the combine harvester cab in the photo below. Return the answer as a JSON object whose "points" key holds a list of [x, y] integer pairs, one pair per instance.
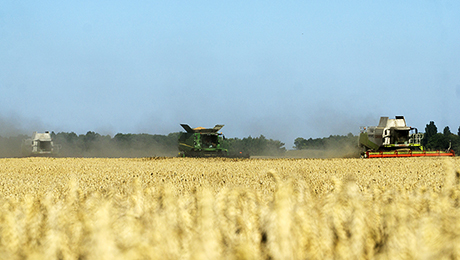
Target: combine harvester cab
{"points": [[201, 142], [40, 144], [393, 138]]}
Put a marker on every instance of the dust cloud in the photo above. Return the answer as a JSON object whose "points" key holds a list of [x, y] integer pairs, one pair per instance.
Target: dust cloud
{"points": [[10, 147], [103, 149], [328, 152], [12, 131], [338, 152]]}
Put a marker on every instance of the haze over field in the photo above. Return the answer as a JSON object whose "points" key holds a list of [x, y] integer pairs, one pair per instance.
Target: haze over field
{"points": [[284, 70]]}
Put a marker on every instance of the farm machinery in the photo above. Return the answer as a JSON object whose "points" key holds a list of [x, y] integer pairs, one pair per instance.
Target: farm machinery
{"points": [[393, 138], [203, 142], [40, 144]]}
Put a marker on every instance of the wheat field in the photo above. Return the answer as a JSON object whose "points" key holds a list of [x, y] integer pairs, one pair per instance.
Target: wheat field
{"points": [[188, 208]]}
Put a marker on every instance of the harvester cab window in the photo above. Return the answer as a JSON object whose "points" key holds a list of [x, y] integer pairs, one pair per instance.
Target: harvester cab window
{"points": [[209, 141], [400, 137], [45, 145]]}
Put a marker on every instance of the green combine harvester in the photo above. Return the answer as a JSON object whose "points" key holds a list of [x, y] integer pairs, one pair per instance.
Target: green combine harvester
{"points": [[201, 142], [204, 142]]}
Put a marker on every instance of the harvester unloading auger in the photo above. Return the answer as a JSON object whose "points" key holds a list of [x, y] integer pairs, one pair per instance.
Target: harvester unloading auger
{"points": [[393, 138]]}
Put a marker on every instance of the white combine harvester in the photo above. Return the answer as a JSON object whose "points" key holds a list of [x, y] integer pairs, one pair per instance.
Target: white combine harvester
{"points": [[393, 138], [40, 144]]}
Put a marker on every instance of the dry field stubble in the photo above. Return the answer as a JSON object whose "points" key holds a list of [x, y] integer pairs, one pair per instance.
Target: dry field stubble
{"points": [[181, 208]]}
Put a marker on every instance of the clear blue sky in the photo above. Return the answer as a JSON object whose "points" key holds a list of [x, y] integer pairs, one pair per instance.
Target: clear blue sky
{"points": [[284, 70]]}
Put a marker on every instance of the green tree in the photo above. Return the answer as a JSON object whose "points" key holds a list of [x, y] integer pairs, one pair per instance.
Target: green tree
{"points": [[430, 130], [447, 131], [68, 143], [299, 142], [438, 142], [123, 140], [333, 141], [456, 144], [254, 146]]}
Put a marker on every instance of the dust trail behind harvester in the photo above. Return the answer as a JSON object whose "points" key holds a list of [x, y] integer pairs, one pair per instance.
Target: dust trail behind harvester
{"points": [[102, 147], [87, 145], [12, 132], [330, 152]]}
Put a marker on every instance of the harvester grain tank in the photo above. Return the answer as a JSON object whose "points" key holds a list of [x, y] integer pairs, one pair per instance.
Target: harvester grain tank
{"points": [[40, 144], [201, 142], [393, 138]]}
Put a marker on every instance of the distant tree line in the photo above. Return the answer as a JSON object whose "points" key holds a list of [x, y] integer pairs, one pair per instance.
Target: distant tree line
{"points": [[432, 140], [331, 142], [254, 146]]}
